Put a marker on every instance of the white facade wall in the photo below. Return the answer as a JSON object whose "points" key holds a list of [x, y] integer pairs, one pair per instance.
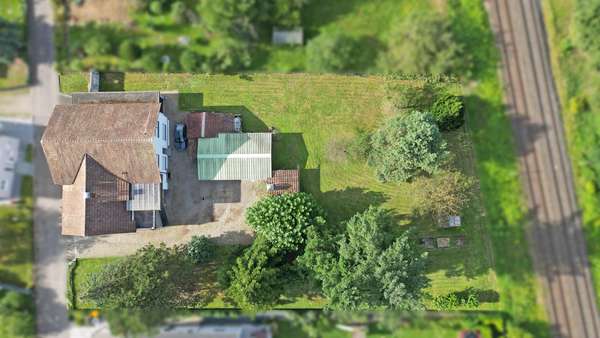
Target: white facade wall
{"points": [[161, 145]]}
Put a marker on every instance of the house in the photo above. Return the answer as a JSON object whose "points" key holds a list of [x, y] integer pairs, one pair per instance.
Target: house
{"points": [[9, 148], [110, 153], [190, 330]]}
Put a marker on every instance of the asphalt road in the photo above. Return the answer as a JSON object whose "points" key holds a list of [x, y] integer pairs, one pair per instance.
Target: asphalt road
{"points": [[50, 263], [555, 235]]}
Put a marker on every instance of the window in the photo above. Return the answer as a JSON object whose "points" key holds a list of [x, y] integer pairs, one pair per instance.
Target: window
{"points": [[2, 185], [157, 131], [158, 160], [165, 165], [164, 132]]}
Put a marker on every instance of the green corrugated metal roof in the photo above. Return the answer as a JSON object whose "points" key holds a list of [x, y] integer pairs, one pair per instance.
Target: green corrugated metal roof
{"points": [[240, 156]]}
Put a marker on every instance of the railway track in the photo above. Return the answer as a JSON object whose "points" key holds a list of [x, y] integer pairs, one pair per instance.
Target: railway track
{"points": [[555, 235]]}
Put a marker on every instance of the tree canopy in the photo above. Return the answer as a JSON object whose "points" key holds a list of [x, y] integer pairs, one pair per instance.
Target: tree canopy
{"points": [[406, 145], [135, 322], [282, 220], [587, 20], [443, 194], [254, 280], [148, 279], [10, 41], [364, 268], [330, 52], [16, 312], [424, 44]]}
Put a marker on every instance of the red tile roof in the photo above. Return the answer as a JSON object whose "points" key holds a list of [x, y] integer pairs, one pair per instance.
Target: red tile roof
{"points": [[284, 181], [212, 123]]}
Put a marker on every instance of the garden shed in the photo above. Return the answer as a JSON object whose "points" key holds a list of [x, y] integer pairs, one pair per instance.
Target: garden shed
{"points": [[288, 37]]}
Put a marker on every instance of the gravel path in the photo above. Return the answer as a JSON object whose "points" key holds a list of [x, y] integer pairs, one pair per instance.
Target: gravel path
{"points": [[555, 234]]}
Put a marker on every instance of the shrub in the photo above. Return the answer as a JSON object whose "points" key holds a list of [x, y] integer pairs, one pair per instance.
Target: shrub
{"points": [[16, 312], [330, 52], [191, 61], [282, 220], [448, 112], [156, 7], [97, 45], [358, 149], [129, 50], [150, 62], [201, 249], [587, 24], [178, 10], [424, 44], [468, 298], [407, 145], [228, 56]]}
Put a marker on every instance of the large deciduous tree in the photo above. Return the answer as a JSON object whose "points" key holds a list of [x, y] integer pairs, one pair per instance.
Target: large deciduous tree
{"points": [[443, 194], [282, 220], [331, 52], [407, 145], [424, 44], [150, 278], [364, 268]]}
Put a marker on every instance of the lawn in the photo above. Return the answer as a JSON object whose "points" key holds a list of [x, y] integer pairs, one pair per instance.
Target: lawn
{"points": [[577, 79], [16, 231]]}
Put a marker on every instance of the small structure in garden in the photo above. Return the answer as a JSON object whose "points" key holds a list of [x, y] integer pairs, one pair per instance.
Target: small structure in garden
{"points": [[288, 37], [460, 241], [283, 181], [443, 242], [428, 242], [452, 221]]}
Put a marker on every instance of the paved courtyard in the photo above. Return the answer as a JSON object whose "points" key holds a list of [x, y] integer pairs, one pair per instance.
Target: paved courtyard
{"points": [[210, 208]]}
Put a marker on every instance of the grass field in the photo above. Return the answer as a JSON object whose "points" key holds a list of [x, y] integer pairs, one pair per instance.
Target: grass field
{"points": [[578, 79], [16, 251]]}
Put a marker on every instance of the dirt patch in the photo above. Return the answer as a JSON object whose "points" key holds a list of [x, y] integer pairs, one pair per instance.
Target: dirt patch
{"points": [[101, 11]]}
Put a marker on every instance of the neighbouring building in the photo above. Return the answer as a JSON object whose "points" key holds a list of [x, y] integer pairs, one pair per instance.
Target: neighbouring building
{"points": [[110, 153], [9, 148]]}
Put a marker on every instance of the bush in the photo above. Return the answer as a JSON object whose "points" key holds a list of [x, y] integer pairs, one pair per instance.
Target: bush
{"points": [[407, 145], [156, 7], [469, 298], [358, 149], [150, 62], [16, 315], [191, 61], [129, 51], [178, 10], [97, 45], [424, 44], [282, 220], [587, 23], [228, 56], [448, 112], [330, 52], [224, 269], [201, 249]]}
